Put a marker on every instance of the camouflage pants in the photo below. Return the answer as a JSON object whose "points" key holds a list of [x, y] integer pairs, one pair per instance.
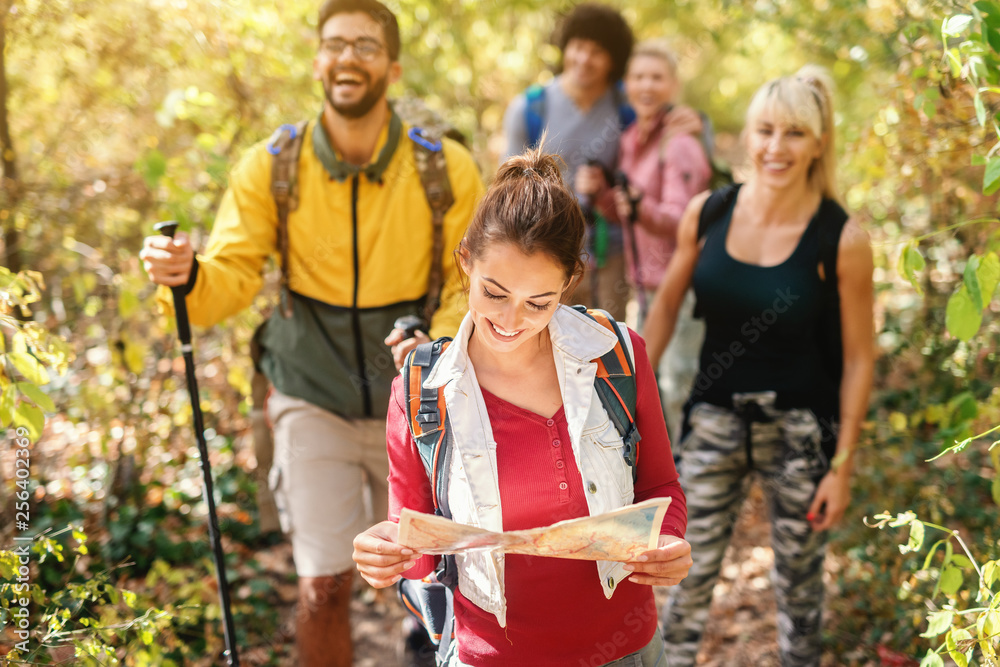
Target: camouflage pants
{"points": [[717, 457]]}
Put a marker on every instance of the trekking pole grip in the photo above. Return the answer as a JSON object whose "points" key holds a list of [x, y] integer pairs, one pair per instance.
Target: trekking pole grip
{"points": [[169, 228]]}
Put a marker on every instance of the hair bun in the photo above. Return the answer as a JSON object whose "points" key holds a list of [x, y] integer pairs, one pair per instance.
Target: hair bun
{"points": [[532, 164]]}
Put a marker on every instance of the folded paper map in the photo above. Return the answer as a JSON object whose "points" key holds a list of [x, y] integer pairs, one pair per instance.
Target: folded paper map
{"points": [[621, 535]]}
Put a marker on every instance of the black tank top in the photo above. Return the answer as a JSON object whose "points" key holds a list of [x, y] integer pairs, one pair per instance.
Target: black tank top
{"points": [[764, 325]]}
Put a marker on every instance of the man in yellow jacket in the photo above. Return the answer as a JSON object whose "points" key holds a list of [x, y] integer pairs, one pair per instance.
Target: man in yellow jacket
{"points": [[359, 256]]}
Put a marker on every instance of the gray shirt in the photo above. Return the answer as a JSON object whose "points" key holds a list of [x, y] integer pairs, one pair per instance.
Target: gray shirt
{"points": [[576, 136]]}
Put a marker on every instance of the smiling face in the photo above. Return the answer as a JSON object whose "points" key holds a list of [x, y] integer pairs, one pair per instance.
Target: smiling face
{"points": [[512, 296], [650, 84], [586, 63], [353, 85], [782, 151]]}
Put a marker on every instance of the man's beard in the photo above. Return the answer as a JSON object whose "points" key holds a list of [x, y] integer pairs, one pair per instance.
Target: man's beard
{"points": [[376, 91]]}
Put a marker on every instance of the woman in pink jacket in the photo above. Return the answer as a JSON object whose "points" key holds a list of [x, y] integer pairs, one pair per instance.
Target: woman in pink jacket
{"points": [[665, 169]]}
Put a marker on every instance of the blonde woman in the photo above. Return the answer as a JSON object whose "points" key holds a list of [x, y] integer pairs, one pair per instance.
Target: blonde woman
{"points": [[784, 281]]}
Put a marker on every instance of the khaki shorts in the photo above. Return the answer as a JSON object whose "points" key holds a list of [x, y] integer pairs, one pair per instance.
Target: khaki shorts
{"points": [[329, 481]]}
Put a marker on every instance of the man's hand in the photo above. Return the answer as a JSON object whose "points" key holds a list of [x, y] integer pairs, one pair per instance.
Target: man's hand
{"points": [[167, 260], [401, 347], [589, 180], [683, 120], [380, 559], [666, 565]]}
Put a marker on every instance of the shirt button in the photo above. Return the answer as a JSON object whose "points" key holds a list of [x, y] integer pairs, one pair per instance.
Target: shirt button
{"points": [[592, 487], [560, 464], [550, 422], [611, 582], [556, 443], [563, 486]]}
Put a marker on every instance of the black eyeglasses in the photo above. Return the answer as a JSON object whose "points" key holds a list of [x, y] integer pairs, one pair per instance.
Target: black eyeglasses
{"points": [[365, 48]]}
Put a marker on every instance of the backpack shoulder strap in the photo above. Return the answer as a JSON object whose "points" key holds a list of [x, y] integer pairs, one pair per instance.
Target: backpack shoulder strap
{"points": [[285, 146], [428, 419], [834, 218], [715, 207], [428, 153], [626, 114], [534, 114], [616, 386]]}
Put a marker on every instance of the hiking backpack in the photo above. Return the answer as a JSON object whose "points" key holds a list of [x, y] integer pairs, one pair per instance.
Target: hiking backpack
{"points": [[286, 145], [430, 600]]}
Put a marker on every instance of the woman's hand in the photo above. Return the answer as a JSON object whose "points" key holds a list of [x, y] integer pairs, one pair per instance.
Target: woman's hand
{"points": [[666, 565], [381, 560], [622, 204], [833, 495]]}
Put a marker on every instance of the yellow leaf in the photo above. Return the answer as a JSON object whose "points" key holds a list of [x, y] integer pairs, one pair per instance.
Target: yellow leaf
{"points": [[29, 367], [898, 421], [135, 357], [30, 417]]}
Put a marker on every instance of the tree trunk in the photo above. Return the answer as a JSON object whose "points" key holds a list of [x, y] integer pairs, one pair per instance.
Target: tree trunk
{"points": [[10, 191]]}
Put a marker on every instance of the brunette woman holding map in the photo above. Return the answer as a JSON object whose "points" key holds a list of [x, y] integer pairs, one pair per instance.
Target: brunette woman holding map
{"points": [[532, 444]]}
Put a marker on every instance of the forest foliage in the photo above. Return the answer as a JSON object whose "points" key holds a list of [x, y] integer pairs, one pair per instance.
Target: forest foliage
{"points": [[117, 114]]}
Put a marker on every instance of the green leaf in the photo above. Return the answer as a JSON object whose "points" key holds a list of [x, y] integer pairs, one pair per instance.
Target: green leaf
{"points": [[955, 25], [129, 598], [995, 489], [988, 275], [930, 554], [956, 636], [991, 176], [6, 405], [29, 367], [990, 572], [962, 317], [980, 110], [951, 580], [932, 659], [36, 396], [152, 167], [971, 281], [31, 418], [978, 160], [937, 623], [990, 11], [912, 262], [992, 38], [961, 561], [988, 624], [916, 540]]}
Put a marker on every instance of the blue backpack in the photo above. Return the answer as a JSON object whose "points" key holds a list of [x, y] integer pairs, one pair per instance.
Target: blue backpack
{"points": [[430, 600]]}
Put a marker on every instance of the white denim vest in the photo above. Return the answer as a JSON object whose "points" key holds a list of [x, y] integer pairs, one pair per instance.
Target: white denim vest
{"points": [[473, 489]]}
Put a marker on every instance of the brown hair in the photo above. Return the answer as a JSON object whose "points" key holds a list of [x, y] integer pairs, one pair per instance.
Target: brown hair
{"points": [[529, 207]]}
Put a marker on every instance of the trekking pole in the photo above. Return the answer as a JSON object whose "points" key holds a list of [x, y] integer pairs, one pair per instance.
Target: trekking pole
{"points": [[587, 207], [621, 181], [169, 228]]}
